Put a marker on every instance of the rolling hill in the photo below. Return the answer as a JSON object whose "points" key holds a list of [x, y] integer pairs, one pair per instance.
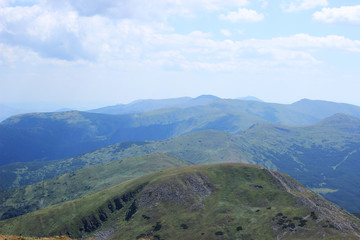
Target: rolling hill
{"points": [[222, 201]]}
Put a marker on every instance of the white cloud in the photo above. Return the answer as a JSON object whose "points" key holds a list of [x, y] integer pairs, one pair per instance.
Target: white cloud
{"points": [[225, 32], [156, 10], [290, 56], [300, 5], [8, 54], [197, 51], [51, 34], [347, 14], [306, 43], [3, 3], [89, 29], [210, 4], [264, 3], [37, 32], [130, 42], [243, 15]]}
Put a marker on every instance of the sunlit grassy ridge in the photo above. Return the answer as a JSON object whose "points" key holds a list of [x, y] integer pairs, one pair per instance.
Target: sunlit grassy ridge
{"points": [[202, 202]]}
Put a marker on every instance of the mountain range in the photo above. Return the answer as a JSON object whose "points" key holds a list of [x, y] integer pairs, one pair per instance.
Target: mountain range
{"points": [[50, 136], [140, 106], [323, 156], [67, 160]]}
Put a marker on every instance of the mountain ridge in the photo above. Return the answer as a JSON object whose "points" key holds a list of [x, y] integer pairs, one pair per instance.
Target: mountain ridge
{"points": [[146, 207], [50, 136], [147, 105]]}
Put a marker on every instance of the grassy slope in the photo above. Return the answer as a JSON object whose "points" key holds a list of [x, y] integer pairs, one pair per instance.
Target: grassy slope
{"points": [[205, 146], [323, 156], [25, 173], [82, 182], [7, 237], [213, 200]]}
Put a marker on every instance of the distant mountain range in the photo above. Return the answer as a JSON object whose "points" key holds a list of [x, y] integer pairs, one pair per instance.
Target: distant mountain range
{"points": [[140, 106], [49, 136], [222, 201], [10, 109]]}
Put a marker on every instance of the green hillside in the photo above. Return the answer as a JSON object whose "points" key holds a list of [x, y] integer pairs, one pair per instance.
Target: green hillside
{"points": [[18, 201], [197, 147], [7, 237], [223, 201], [25, 173], [49, 136]]}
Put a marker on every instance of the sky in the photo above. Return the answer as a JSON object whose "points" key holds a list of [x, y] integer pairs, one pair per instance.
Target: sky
{"points": [[90, 53]]}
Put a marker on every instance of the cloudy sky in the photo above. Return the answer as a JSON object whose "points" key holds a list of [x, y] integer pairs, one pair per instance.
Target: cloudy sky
{"points": [[115, 51]]}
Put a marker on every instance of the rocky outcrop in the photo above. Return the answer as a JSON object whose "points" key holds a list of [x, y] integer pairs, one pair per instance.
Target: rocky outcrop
{"points": [[190, 189], [323, 210], [288, 184]]}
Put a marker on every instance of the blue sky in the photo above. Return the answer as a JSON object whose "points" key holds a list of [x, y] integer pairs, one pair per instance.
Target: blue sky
{"points": [[91, 53]]}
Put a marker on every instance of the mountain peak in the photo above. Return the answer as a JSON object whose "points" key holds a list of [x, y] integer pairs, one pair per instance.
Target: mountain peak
{"points": [[306, 101], [207, 96], [341, 122], [250, 98]]}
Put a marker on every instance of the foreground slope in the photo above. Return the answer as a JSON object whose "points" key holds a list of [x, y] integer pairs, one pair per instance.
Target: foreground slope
{"points": [[221, 201], [7, 237]]}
